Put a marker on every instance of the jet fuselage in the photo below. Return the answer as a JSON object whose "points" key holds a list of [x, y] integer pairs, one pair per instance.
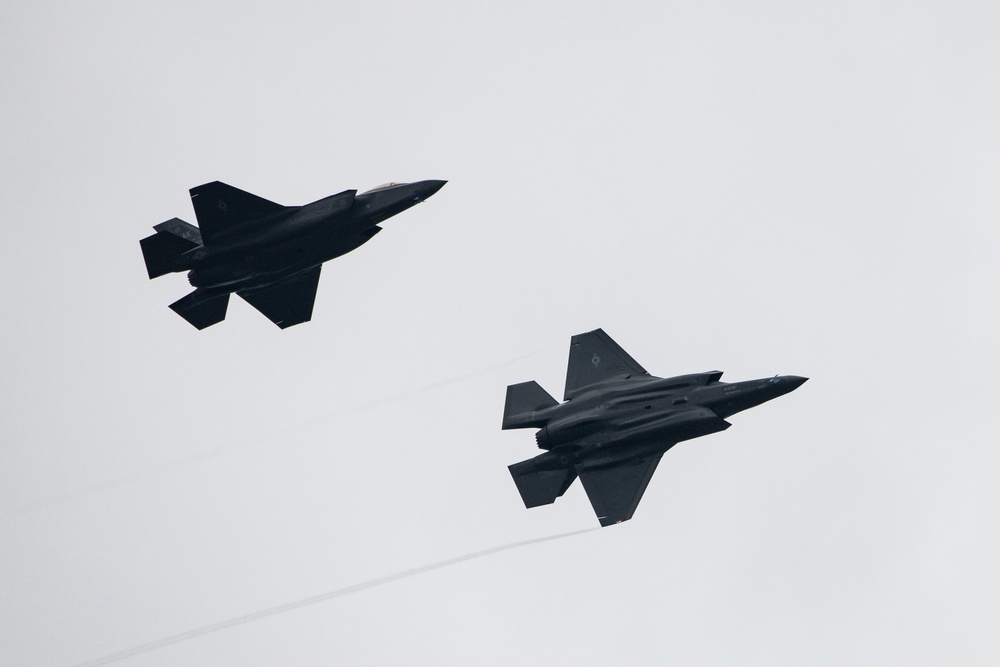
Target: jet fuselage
{"points": [[277, 246], [607, 423], [268, 254]]}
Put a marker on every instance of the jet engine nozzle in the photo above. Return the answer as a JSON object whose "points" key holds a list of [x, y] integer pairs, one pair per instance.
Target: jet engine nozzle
{"points": [[542, 439]]}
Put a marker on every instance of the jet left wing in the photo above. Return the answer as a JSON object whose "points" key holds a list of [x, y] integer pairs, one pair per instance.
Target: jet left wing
{"points": [[615, 492], [220, 207], [593, 358], [287, 302]]}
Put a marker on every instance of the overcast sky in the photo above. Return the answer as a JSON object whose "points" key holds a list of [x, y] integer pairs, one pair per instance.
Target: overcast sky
{"points": [[759, 188]]}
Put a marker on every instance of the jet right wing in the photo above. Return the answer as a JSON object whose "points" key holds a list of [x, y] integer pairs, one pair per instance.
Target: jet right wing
{"points": [[594, 357], [220, 207], [289, 301], [615, 492]]}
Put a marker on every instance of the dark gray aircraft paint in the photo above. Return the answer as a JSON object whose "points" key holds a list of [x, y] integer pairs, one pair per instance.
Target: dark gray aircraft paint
{"points": [[269, 254], [616, 423]]}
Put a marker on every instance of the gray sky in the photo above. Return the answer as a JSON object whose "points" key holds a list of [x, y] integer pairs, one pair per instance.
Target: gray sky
{"points": [[788, 187]]}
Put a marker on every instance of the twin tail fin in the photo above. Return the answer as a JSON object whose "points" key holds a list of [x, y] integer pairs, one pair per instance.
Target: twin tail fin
{"points": [[162, 251]]}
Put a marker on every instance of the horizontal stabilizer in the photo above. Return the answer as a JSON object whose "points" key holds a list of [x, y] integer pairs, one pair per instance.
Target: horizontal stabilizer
{"points": [[289, 301], [523, 400], [162, 251], [538, 485], [615, 492], [201, 309]]}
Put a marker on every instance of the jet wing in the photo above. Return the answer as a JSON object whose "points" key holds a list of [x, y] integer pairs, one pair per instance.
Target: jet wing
{"points": [[289, 301], [615, 492], [594, 357], [220, 207]]}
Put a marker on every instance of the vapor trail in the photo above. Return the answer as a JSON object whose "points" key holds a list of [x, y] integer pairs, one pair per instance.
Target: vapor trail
{"points": [[225, 449], [316, 599]]}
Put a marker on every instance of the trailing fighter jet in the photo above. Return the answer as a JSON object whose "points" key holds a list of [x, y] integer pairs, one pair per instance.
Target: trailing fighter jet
{"points": [[616, 423], [269, 254]]}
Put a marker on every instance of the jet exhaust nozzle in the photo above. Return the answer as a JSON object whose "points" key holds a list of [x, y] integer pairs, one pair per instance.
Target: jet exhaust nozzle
{"points": [[542, 439]]}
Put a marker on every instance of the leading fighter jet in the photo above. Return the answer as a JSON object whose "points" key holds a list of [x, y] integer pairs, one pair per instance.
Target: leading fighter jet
{"points": [[269, 254], [616, 423]]}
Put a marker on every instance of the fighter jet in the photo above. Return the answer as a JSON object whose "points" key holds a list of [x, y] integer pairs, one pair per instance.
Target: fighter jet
{"points": [[617, 421], [269, 254]]}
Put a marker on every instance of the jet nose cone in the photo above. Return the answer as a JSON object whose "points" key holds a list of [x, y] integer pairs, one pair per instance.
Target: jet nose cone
{"points": [[428, 188], [794, 381], [783, 384]]}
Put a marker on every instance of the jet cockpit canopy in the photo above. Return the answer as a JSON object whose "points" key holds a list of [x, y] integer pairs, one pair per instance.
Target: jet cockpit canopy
{"points": [[381, 187]]}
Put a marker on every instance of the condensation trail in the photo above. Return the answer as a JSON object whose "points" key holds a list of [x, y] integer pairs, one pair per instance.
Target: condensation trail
{"points": [[169, 466], [316, 599]]}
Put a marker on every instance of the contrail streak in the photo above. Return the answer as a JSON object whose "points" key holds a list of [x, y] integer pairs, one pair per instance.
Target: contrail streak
{"points": [[316, 599], [170, 466]]}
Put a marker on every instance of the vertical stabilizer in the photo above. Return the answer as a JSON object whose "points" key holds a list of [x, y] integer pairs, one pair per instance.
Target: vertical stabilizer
{"points": [[162, 251]]}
